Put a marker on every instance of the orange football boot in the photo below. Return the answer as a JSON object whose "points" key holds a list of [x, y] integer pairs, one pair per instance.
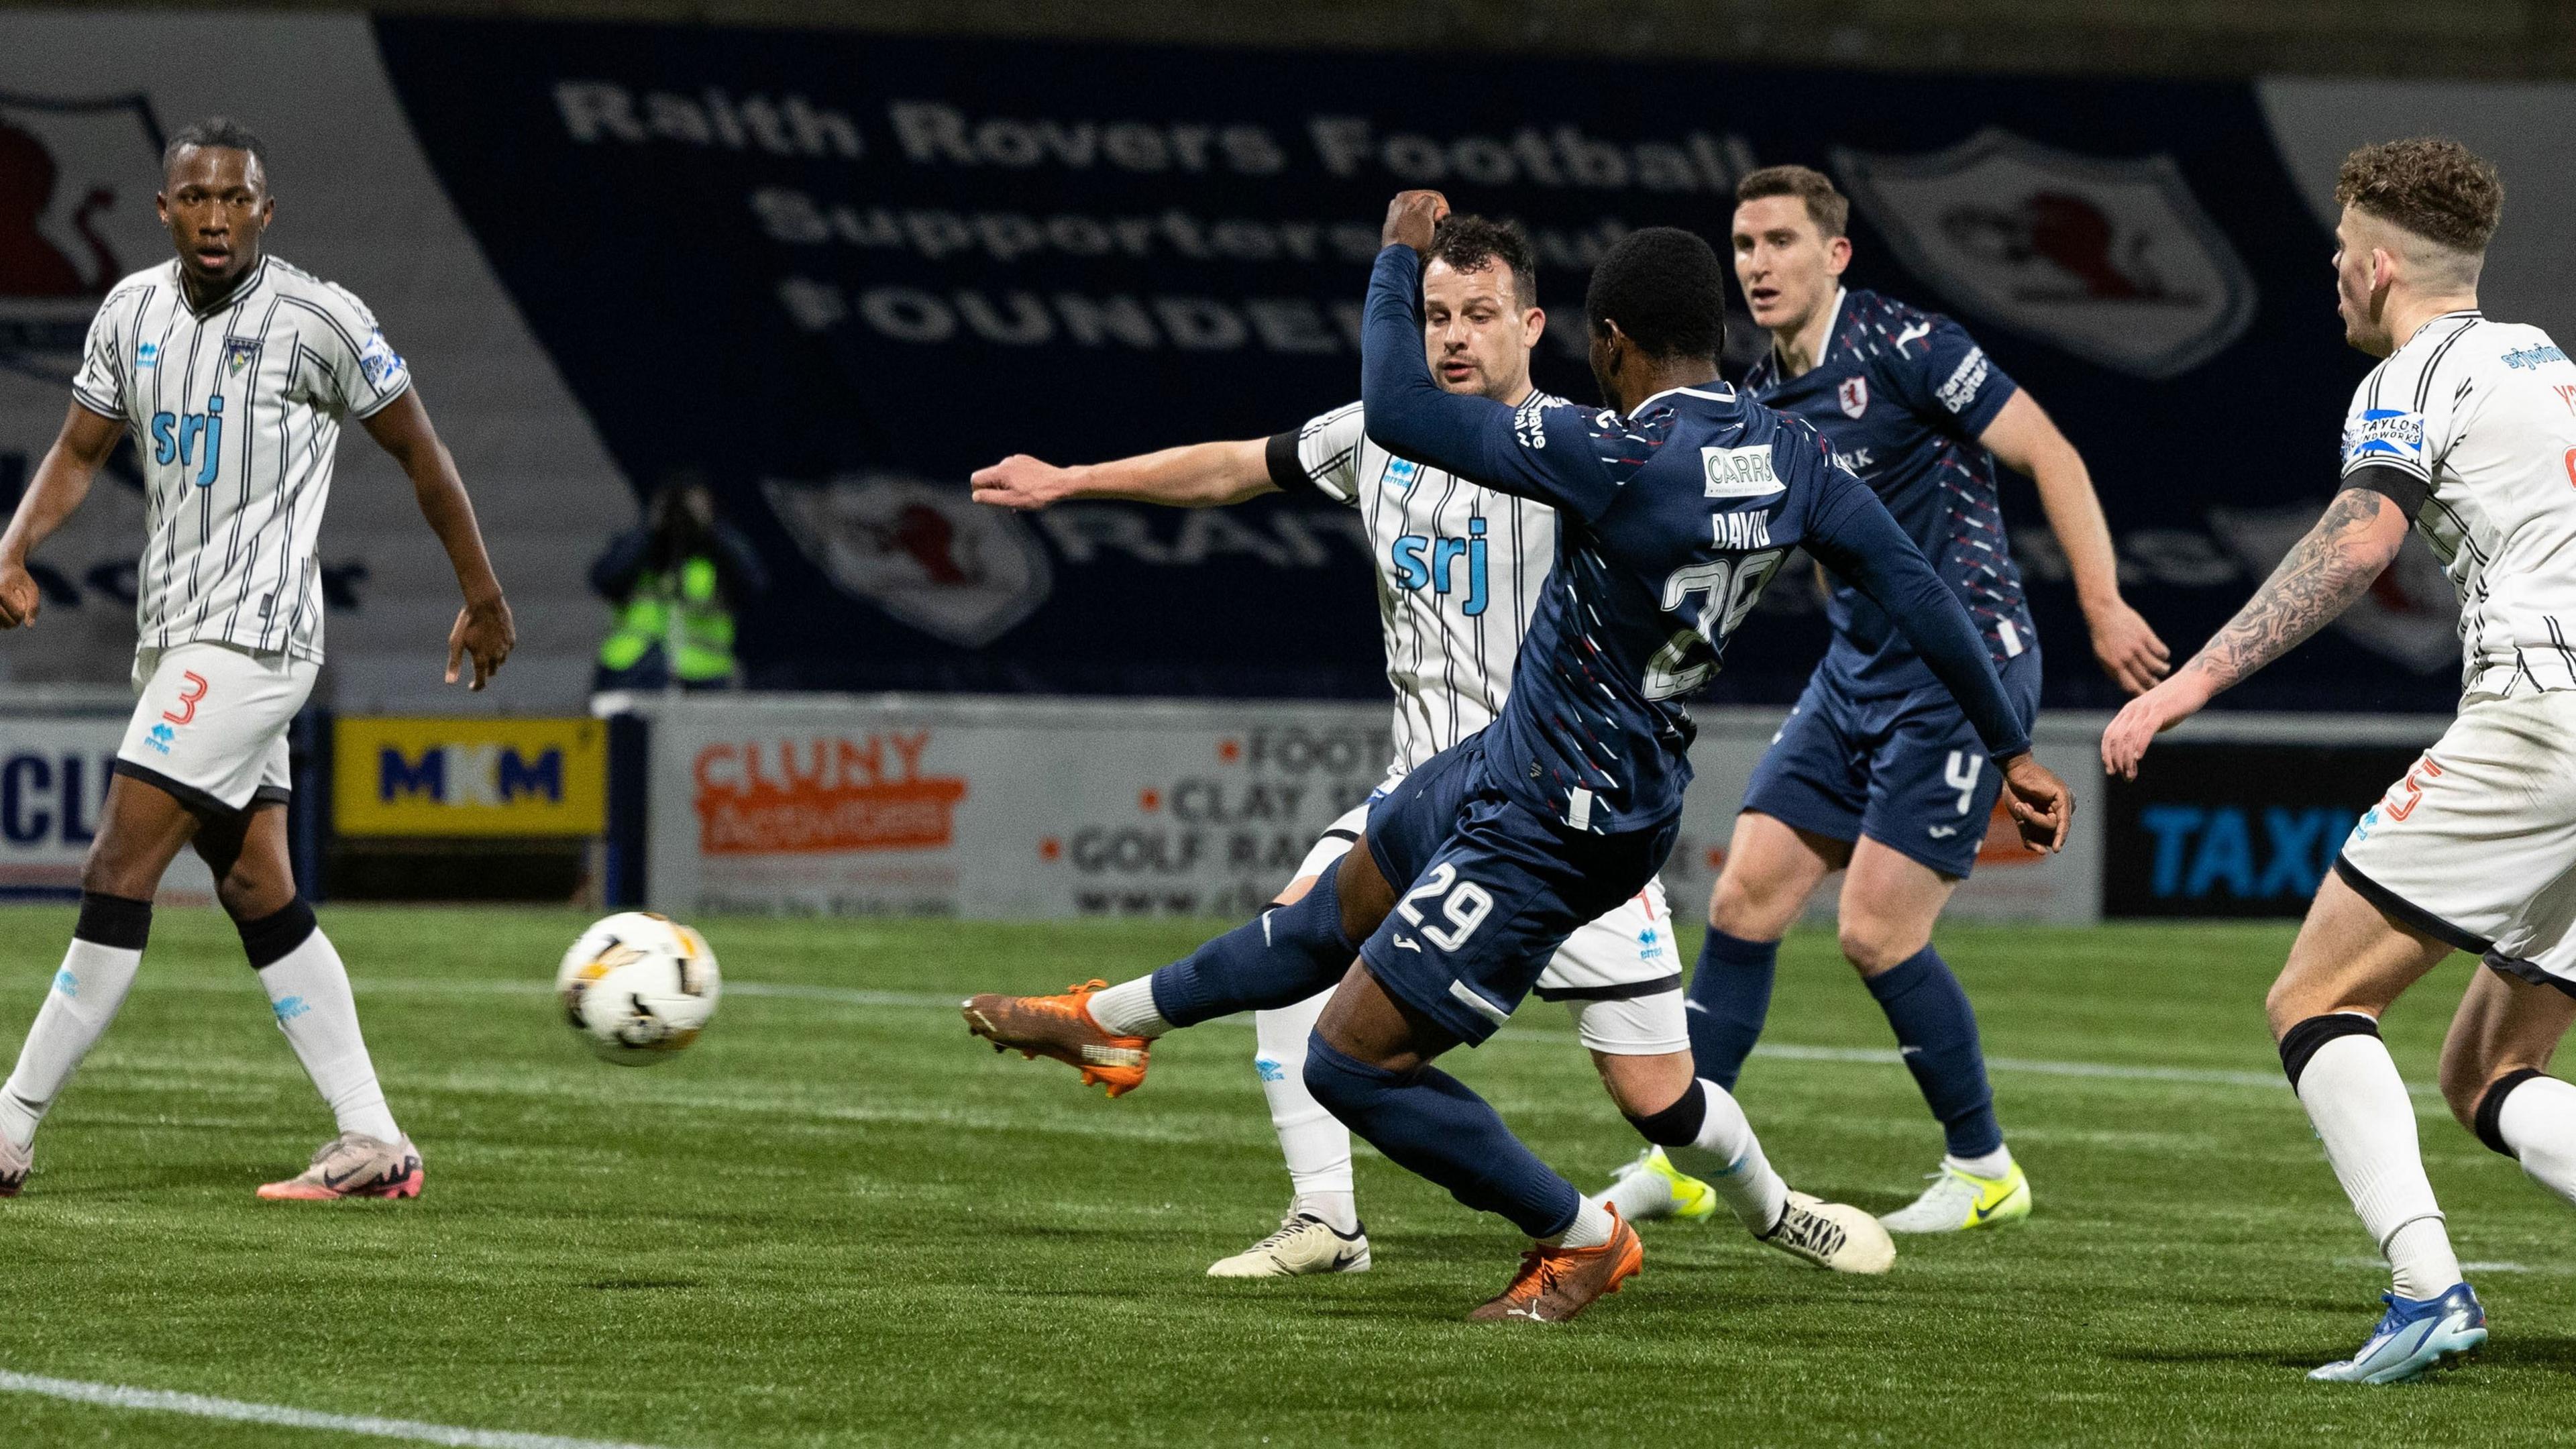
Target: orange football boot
{"points": [[1061, 1027], [1554, 1284]]}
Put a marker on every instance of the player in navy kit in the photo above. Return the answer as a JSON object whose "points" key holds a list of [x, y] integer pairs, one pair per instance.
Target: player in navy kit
{"points": [[1877, 770], [1676, 509]]}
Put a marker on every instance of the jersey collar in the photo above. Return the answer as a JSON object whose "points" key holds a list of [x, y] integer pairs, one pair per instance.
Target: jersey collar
{"points": [[250, 282], [1824, 349], [1726, 394]]}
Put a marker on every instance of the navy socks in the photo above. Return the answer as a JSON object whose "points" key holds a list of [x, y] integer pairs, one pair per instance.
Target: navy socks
{"points": [[1428, 1121], [1730, 994], [1938, 1033], [1278, 958]]}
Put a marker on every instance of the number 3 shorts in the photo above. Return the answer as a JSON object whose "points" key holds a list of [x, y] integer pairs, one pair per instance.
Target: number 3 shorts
{"points": [[210, 725]]}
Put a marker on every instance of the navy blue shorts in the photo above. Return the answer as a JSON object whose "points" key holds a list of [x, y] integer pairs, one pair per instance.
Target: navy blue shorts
{"points": [[1908, 771], [1486, 890]]}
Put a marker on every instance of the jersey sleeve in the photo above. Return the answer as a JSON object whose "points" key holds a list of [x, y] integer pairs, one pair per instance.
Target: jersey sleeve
{"points": [[1851, 532], [1323, 457], [363, 372], [1945, 377], [1562, 456], [100, 385], [2404, 423]]}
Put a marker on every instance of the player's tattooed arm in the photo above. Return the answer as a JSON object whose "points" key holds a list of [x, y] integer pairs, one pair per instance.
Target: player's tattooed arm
{"points": [[2321, 577], [61, 484], [1197, 475]]}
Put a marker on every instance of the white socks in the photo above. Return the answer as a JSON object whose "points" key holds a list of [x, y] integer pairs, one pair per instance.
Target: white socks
{"points": [[1591, 1228], [1992, 1164], [1316, 1144], [87, 992], [1127, 1009], [2360, 1109], [2538, 1120], [1729, 1157], [308, 989]]}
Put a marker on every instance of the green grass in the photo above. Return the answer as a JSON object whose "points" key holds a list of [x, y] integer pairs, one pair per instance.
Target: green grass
{"points": [[843, 1222]]}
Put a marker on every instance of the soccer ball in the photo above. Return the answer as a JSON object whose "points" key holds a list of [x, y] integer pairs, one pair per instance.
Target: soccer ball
{"points": [[638, 987]]}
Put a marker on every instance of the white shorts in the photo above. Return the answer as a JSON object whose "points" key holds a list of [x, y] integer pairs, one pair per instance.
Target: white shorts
{"points": [[1619, 976], [210, 727], [2476, 844]]}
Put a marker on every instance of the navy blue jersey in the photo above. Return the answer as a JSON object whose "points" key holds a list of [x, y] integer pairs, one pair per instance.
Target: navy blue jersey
{"points": [[1671, 522], [1901, 394]]}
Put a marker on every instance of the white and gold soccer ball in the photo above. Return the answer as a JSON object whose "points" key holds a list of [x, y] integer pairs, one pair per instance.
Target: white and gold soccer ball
{"points": [[638, 987]]}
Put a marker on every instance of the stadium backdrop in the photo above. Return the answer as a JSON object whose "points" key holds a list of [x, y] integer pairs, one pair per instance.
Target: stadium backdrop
{"points": [[836, 272]]}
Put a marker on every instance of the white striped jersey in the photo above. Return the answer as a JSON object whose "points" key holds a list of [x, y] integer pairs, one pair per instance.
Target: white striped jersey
{"points": [[236, 414], [2484, 414], [1459, 568]]}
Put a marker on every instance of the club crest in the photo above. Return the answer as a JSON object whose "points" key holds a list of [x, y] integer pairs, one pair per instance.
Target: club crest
{"points": [[239, 353], [1854, 396], [923, 553], [76, 184], [2111, 260]]}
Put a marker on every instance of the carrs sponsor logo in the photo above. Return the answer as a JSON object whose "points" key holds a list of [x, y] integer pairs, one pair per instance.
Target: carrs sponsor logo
{"points": [[823, 794], [2110, 258], [1739, 472]]}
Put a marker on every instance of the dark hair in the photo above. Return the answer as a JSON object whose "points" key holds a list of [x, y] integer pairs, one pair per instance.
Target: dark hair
{"points": [[1666, 289], [2432, 186], [1472, 243], [1827, 207], [221, 132]]}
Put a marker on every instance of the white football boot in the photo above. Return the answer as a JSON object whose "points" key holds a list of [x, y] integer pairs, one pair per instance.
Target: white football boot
{"points": [[1304, 1244], [1957, 1201]]}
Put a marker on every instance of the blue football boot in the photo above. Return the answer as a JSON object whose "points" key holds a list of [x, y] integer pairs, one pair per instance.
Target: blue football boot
{"points": [[2417, 1334]]}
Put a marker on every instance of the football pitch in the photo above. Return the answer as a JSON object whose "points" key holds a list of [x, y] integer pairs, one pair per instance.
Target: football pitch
{"points": [[838, 1220]]}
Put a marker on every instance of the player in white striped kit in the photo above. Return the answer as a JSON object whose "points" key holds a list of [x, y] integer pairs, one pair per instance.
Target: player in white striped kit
{"points": [[232, 372], [2468, 430], [1459, 570]]}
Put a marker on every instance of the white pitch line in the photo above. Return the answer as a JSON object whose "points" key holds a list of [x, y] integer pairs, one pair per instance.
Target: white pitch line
{"points": [[201, 1406], [942, 1001]]}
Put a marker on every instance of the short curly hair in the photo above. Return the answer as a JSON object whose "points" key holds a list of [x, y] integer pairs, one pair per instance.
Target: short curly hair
{"points": [[1666, 289], [2431, 186], [1471, 243]]}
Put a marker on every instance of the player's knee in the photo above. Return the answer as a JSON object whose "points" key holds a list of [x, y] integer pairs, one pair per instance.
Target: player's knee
{"points": [[1343, 1083], [1751, 908], [2468, 1069], [1872, 944]]}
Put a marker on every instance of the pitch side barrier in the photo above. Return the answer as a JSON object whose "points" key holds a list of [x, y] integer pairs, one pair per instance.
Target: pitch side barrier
{"points": [[999, 807]]}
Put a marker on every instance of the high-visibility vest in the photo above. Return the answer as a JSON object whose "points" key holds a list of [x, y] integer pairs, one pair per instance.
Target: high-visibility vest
{"points": [[685, 616]]}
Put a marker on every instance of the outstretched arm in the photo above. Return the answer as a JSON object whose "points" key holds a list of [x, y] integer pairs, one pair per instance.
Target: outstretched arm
{"points": [[1198, 475], [2318, 580], [483, 627], [2023, 438], [1855, 537], [62, 482]]}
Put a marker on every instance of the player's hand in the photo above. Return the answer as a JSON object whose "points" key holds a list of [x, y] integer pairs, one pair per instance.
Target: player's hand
{"points": [[1411, 218], [1020, 481], [2147, 716], [2128, 647], [2040, 804], [19, 596], [486, 632]]}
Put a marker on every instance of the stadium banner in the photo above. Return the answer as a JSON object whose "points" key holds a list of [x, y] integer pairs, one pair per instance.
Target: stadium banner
{"points": [[87, 100], [2243, 822], [907, 257], [469, 777], [56, 752], [1027, 809]]}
